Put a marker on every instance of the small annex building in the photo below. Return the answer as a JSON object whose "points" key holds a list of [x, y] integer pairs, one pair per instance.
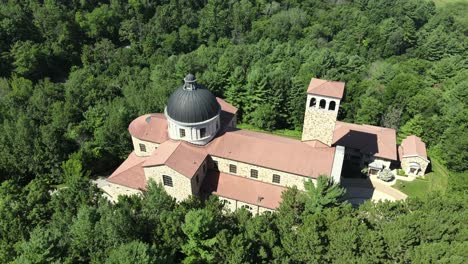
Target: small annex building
{"points": [[194, 148], [413, 156]]}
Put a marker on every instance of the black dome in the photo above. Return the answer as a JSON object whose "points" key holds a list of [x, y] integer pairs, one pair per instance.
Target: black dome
{"points": [[192, 105]]}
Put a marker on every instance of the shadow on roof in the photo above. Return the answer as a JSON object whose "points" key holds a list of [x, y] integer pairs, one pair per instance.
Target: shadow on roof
{"points": [[365, 142]]}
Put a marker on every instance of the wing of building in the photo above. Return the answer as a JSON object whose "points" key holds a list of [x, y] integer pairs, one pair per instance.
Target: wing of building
{"points": [[194, 148]]}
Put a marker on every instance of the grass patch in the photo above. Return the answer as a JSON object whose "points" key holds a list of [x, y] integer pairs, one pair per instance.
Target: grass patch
{"points": [[401, 173], [294, 134], [437, 180], [442, 3]]}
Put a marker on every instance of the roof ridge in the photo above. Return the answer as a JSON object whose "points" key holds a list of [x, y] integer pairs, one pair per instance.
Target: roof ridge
{"points": [[175, 149]]}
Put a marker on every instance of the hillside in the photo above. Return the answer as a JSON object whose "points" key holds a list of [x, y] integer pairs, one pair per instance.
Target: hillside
{"points": [[73, 74]]}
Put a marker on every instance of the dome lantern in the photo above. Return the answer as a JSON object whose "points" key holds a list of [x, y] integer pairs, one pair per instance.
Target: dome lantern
{"points": [[190, 82]]}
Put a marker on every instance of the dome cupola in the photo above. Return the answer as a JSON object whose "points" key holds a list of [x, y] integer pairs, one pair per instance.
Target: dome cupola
{"points": [[192, 112], [192, 103]]}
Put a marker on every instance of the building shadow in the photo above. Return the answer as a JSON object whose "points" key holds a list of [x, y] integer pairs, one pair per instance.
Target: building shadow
{"points": [[358, 190], [365, 143]]}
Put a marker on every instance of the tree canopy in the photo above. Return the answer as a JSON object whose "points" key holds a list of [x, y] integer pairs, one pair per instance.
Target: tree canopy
{"points": [[73, 74]]}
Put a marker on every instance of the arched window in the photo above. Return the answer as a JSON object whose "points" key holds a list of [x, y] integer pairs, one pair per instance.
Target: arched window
{"points": [[313, 102], [332, 106], [322, 104], [167, 181], [247, 207]]}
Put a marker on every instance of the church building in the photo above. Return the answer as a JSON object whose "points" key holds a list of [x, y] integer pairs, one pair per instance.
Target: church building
{"points": [[194, 148]]}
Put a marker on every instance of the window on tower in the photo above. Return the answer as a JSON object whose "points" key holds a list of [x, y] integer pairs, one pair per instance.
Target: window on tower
{"points": [[182, 132], [313, 102], [202, 132], [322, 104], [332, 106]]}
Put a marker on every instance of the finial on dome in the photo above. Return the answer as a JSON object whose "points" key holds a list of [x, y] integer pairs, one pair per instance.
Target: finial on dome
{"points": [[190, 81]]}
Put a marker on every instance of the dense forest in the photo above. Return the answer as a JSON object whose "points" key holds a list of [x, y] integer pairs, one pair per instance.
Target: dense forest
{"points": [[74, 73]]}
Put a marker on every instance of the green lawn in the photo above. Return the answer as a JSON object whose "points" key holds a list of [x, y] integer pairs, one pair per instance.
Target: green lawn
{"points": [[437, 180], [441, 3], [295, 134]]}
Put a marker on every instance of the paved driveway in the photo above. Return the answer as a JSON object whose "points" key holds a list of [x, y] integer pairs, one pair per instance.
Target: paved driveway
{"points": [[360, 190]]}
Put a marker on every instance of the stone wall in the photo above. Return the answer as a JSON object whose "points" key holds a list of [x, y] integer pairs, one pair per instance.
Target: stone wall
{"points": [[232, 205], [150, 147], [319, 124], [182, 186], [112, 191], [423, 163], [264, 174]]}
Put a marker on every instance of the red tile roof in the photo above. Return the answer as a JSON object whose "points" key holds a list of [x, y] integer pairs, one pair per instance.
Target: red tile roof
{"points": [[130, 173], [153, 127], [225, 106], [326, 88], [275, 152], [373, 140], [315, 144], [150, 127], [178, 155], [413, 145], [243, 189]]}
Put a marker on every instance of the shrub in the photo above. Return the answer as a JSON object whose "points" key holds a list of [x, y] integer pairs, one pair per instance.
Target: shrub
{"points": [[386, 175], [401, 172]]}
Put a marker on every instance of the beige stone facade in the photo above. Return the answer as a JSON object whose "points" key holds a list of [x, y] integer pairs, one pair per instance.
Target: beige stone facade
{"points": [[408, 162], [112, 191], [264, 174], [319, 124], [232, 205], [182, 187], [149, 147]]}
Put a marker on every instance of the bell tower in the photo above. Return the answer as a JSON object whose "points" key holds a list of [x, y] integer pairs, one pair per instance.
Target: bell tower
{"points": [[323, 102]]}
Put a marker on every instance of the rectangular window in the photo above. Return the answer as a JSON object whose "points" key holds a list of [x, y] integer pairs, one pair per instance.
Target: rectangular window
{"points": [[204, 167], [196, 179], [232, 168], [182, 132], [142, 147], [215, 165], [254, 173], [276, 178], [202, 132], [167, 180]]}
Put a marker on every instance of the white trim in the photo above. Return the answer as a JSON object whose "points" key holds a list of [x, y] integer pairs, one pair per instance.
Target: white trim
{"points": [[190, 124], [337, 164]]}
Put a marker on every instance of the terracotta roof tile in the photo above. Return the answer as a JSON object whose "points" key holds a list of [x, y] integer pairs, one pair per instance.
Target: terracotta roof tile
{"points": [[374, 140], [413, 145], [130, 173], [326, 88], [150, 127], [180, 156], [273, 152], [243, 189], [315, 144], [153, 127], [226, 106]]}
